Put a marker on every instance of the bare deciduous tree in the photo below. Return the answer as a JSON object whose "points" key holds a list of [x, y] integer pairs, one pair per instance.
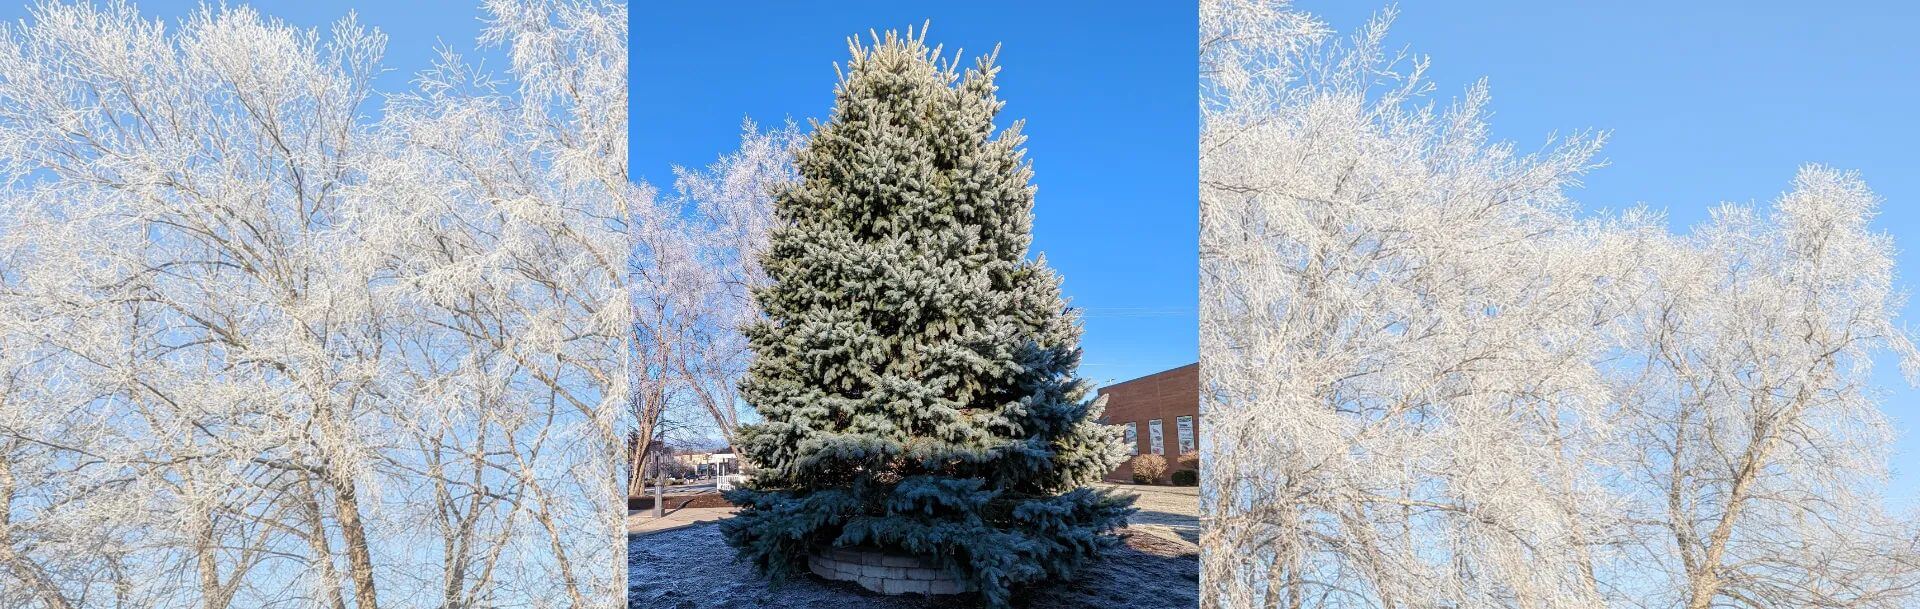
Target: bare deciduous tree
{"points": [[296, 356], [1434, 384], [1757, 447], [695, 261]]}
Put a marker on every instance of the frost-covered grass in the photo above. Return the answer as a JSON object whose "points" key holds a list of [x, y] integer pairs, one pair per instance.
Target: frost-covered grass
{"points": [[693, 568], [1173, 507]]}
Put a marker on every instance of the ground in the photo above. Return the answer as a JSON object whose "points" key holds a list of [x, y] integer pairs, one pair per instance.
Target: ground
{"points": [[687, 565], [693, 568], [1175, 507]]}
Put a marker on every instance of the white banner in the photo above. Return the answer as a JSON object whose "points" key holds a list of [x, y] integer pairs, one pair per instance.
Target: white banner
{"points": [[1133, 438], [1154, 435], [1184, 427]]}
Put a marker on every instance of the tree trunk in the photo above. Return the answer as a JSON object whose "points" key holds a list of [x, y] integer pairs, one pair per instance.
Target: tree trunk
{"points": [[359, 559], [212, 594], [322, 550]]}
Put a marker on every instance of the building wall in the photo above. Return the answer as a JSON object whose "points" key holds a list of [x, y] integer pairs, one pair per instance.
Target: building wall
{"points": [[1165, 396]]}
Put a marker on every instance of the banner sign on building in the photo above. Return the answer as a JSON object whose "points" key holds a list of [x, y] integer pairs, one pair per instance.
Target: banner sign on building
{"points": [[1155, 436], [1184, 427], [1133, 438]]}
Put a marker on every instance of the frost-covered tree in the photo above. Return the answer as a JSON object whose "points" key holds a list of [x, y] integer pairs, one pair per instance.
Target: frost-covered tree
{"points": [[1434, 384], [1384, 329], [915, 369], [1758, 450], [262, 349], [696, 255]]}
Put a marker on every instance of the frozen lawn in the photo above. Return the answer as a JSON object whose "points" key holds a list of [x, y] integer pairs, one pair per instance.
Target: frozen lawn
{"points": [[693, 568], [1174, 507]]}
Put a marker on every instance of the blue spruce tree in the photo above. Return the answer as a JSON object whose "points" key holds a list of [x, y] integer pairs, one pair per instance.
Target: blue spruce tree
{"points": [[914, 371]]}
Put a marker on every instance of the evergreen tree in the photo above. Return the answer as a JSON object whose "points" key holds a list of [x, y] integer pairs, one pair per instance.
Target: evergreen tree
{"points": [[914, 369]]}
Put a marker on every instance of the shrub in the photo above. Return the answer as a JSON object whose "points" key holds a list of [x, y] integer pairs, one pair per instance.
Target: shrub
{"points": [[1186, 477], [1150, 467]]}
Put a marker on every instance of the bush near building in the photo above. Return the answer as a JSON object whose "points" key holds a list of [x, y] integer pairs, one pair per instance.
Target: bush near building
{"points": [[1186, 477], [1147, 469]]}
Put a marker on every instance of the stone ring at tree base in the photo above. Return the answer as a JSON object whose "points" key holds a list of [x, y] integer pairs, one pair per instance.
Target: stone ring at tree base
{"points": [[884, 572]]}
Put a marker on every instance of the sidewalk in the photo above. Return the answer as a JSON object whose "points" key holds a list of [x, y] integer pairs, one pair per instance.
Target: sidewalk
{"points": [[642, 522], [1166, 511], [1190, 491]]}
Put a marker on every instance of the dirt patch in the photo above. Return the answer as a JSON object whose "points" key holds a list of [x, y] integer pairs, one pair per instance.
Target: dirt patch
{"points": [[707, 499], [694, 568], [1155, 545]]}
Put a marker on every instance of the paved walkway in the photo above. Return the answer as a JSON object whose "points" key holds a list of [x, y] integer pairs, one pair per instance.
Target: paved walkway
{"points": [[1159, 489], [1168, 511], [642, 522]]}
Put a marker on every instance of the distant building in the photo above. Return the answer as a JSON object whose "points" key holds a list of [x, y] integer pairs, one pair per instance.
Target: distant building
{"points": [[1160, 413], [714, 462]]}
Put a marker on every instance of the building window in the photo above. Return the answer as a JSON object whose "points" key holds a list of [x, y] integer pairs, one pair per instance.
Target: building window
{"points": [[1157, 437], [1184, 427]]}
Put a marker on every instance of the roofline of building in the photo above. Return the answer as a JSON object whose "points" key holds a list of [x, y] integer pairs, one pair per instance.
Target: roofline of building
{"points": [[1167, 372]]}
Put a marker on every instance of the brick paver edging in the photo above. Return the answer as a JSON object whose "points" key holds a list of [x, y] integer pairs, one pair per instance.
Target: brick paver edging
{"points": [[884, 572]]}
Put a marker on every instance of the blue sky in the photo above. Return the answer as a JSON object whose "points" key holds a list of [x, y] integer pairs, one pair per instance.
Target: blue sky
{"points": [[414, 28], [1109, 100], [1706, 101]]}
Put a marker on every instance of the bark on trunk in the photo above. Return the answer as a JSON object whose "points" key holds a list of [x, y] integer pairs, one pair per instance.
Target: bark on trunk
{"points": [[359, 559], [322, 549]]}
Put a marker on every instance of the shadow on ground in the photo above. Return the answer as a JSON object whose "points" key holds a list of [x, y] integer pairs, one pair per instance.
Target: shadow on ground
{"points": [[694, 568], [1186, 526]]}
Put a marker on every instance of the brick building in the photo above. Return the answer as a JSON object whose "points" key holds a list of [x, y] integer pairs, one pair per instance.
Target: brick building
{"points": [[1160, 413]]}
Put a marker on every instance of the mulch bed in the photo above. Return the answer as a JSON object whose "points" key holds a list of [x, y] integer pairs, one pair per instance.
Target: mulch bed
{"points": [[680, 502]]}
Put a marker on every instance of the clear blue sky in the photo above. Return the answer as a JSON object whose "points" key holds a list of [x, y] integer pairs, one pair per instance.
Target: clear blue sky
{"points": [[1706, 101], [414, 28], [1109, 100]]}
